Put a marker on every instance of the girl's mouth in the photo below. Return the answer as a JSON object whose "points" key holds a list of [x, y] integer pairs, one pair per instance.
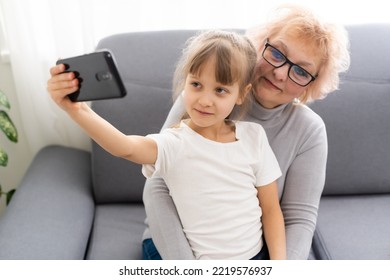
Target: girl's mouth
{"points": [[204, 113]]}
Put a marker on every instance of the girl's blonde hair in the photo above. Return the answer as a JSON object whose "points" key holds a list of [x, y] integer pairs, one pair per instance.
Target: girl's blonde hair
{"points": [[329, 41], [235, 59]]}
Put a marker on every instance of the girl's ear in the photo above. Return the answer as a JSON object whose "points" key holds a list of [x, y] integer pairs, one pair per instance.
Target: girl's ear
{"points": [[241, 98]]}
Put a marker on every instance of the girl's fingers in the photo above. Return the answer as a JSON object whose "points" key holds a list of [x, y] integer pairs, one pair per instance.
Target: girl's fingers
{"points": [[62, 77], [57, 74], [65, 80], [62, 92], [60, 88], [57, 69]]}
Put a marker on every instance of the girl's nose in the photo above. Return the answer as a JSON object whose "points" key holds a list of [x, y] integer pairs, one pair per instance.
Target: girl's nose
{"points": [[205, 100]]}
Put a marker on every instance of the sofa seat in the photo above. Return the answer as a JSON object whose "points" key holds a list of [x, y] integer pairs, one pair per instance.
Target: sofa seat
{"points": [[353, 227], [117, 232]]}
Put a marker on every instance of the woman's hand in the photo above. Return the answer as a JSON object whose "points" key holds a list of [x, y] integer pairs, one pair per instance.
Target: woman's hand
{"points": [[60, 85]]}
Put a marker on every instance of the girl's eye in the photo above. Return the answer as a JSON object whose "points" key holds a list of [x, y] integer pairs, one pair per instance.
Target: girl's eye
{"points": [[221, 90], [195, 84]]}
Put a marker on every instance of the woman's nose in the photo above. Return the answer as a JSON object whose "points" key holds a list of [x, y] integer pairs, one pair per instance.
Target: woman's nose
{"points": [[281, 73]]}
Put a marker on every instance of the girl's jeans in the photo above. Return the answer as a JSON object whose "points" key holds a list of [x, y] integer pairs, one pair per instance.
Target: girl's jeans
{"points": [[149, 252]]}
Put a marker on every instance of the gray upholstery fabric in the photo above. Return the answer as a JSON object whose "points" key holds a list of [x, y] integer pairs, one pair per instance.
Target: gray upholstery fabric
{"points": [[358, 127], [370, 57], [117, 232], [353, 228], [353, 220], [356, 117], [141, 112], [146, 62], [51, 213]]}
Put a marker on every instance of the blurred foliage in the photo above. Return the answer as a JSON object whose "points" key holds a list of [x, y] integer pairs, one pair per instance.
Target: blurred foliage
{"points": [[9, 129]]}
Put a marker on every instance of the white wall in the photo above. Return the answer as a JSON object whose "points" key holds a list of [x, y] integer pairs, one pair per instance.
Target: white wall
{"points": [[183, 14]]}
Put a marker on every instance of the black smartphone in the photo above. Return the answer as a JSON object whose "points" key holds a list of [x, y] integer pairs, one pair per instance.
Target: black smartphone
{"points": [[98, 76]]}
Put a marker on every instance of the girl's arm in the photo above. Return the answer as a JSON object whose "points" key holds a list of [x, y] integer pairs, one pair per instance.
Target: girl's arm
{"points": [[138, 149], [272, 220]]}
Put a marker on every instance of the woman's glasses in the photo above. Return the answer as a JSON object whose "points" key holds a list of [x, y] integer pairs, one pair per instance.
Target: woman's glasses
{"points": [[295, 72]]}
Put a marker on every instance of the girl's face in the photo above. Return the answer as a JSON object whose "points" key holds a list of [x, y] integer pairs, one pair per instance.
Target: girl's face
{"points": [[272, 86], [208, 102]]}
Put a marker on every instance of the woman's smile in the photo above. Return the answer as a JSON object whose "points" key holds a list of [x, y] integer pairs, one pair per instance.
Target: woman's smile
{"points": [[269, 84]]}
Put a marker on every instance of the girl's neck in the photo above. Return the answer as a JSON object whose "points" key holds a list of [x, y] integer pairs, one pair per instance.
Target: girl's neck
{"points": [[224, 132]]}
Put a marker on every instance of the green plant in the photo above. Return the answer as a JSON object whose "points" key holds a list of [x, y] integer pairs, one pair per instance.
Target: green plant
{"points": [[9, 129]]}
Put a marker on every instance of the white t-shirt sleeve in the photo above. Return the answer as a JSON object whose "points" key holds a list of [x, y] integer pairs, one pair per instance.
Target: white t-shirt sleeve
{"points": [[268, 169], [167, 146]]}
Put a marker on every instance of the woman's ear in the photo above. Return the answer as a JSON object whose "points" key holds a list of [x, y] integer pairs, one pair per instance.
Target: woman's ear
{"points": [[242, 96]]}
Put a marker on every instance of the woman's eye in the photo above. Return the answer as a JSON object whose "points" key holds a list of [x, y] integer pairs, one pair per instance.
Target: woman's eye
{"points": [[277, 55], [300, 72]]}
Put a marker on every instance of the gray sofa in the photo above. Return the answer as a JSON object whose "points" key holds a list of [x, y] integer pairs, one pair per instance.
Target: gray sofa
{"points": [[73, 204]]}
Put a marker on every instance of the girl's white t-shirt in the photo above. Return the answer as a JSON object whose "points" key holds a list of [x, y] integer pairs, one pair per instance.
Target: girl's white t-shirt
{"points": [[213, 186]]}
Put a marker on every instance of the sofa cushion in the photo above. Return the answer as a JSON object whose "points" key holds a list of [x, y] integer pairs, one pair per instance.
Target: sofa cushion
{"points": [[353, 227], [358, 127], [117, 232], [357, 117], [370, 44], [146, 62], [141, 112], [53, 203]]}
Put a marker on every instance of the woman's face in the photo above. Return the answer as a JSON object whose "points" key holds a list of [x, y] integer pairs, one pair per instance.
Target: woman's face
{"points": [[272, 86]]}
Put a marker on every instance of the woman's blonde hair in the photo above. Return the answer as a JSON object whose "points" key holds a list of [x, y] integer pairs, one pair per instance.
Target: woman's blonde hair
{"points": [[234, 54], [329, 41]]}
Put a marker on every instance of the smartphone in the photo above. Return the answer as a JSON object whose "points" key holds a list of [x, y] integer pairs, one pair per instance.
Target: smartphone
{"points": [[98, 76]]}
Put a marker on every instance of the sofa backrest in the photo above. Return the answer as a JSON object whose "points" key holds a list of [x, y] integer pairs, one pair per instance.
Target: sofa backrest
{"points": [[357, 117], [146, 62]]}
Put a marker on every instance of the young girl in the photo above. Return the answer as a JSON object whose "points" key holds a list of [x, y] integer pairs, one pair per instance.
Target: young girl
{"points": [[221, 174]]}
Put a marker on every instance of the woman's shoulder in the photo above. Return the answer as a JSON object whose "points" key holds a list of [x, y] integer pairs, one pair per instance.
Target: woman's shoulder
{"points": [[308, 127], [249, 126], [304, 115]]}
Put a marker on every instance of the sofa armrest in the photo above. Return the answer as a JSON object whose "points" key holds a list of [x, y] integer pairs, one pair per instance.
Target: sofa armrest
{"points": [[51, 213]]}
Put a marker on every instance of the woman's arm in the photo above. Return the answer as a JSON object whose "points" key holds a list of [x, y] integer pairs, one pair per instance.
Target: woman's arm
{"points": [[272, 220], [164, 224], [165, 227], [303, 187]]}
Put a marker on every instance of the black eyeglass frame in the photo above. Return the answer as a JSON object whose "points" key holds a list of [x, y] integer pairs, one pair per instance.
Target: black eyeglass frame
{"points": [[289, 62]]}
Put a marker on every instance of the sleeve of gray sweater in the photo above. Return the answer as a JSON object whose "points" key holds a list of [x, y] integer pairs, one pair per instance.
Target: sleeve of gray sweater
{"points": [[302, 190], [162, 219], [298, 138]]}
